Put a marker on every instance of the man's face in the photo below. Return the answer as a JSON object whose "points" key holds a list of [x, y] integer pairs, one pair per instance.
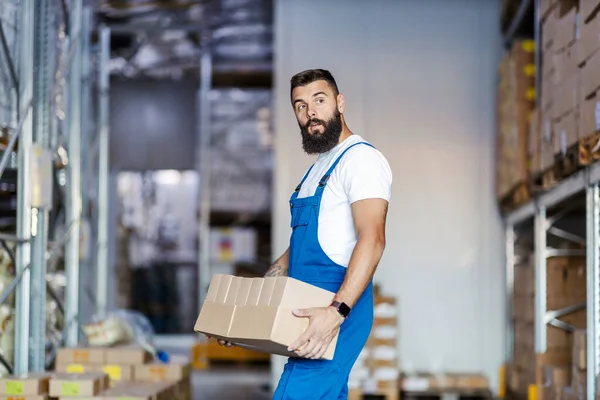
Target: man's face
{"points": [[318, 115]]}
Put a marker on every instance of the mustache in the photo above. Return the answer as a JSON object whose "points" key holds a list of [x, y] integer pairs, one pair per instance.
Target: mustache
{"points": [[310, 121]]}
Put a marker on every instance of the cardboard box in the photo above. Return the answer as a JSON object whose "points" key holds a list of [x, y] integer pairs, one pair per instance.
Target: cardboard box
{"points": [[588, 9], [127, 355], [139, 391], [533, 148], [547, 142], [567, 133], [590, 76], [580, 349], [257, 312], [176, 370], [565, 31], [566, 96], [78, 385], [589, 40], [589, 113], [80, 355], [25, 385], [566, 278]]}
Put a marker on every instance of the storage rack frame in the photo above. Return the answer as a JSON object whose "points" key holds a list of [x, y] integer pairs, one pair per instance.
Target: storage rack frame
{"points": [[36, 133]]}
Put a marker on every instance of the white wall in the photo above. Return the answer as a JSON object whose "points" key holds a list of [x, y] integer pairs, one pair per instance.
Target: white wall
{"points": [[419, 81]]}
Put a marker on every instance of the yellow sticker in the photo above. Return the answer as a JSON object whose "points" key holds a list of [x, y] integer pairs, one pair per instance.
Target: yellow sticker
{"points": [[70, 389], [529, 70], [528, 45], [530, 94], [113, 371], [14, 387], [75, 369], [532, 392]]}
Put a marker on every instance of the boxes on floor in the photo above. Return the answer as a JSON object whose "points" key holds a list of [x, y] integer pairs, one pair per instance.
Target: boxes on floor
{"points": [[34, 386], [256, 313]]}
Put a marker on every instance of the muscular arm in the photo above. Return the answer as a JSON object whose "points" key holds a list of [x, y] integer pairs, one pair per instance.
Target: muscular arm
{"points": [[280, 266], [369, 217]]}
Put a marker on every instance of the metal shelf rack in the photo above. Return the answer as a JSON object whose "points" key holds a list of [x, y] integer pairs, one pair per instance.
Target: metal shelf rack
{"points": [[560, 200], [52, 82]]}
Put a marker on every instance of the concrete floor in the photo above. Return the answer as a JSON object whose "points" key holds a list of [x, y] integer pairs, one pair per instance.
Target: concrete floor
{"points": [[232, 383]]}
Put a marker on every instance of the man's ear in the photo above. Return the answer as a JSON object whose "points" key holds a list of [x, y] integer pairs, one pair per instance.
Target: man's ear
{"points": [[341, 103]]}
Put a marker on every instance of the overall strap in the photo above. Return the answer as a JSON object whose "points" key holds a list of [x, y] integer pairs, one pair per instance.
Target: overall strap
{"points": [[295, 194], [327, 175]]}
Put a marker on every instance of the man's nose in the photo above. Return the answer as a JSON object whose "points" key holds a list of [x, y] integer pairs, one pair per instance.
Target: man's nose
{"points": [[312, 113]]}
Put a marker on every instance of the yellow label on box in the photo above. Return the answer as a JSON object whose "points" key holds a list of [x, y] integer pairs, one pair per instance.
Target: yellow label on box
{"points": [[14, 387], [70, 389], [529, 70], [530, 94], [113, 371], [528, 45], [532, 393], [75, 369]]}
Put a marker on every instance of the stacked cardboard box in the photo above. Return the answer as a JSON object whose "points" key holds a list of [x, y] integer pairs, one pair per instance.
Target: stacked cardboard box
{"points": [[566, 286], [560, 97], [26, 387], [588, 59], [377, 368], [176, 374], [523, 368], [117, 362], [516, 96], [257, 313], [579, 364]]}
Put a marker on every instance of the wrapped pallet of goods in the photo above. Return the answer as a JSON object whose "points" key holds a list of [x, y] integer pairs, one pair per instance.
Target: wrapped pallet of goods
{"points": [[516, 96]]}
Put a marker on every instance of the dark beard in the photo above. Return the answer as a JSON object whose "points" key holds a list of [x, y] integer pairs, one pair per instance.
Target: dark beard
{"points": [[322, 143]]}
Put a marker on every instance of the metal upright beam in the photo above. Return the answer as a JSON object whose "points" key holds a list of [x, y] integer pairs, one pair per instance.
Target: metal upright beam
{"points": [[510, 286], [73, 206], [23, 291], [45, 51], [540, 279], [204, 172], [103, 159], [593, 288]]}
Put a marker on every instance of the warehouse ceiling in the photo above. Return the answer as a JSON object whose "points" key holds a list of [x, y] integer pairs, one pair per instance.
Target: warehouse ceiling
{"points": [[163, 39]]}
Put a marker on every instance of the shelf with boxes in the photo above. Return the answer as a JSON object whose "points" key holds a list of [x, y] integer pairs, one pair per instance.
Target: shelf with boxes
{"points": [[566, 323], [553, 231]]}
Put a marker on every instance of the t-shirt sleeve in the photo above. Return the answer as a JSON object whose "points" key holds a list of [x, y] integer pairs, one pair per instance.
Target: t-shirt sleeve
{"points": [[366, 175]]}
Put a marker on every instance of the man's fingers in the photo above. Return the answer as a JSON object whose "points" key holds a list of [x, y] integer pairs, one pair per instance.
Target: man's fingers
{"points": [[301, 341], [307, 350]]}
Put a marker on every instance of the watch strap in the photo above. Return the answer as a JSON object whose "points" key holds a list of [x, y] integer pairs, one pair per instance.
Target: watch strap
{"points": [[342, 308]]}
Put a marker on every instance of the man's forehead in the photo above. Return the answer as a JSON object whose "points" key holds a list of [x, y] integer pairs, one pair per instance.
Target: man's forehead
{"points": [[311, 89]]}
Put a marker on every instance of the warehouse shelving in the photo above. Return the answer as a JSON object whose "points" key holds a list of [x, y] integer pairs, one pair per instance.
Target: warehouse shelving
{"points": [[559, 200], [51, 68]]}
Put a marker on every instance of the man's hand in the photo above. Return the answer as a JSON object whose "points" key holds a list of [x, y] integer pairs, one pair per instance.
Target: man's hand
{"points": [[324, 324], [221, 342]]}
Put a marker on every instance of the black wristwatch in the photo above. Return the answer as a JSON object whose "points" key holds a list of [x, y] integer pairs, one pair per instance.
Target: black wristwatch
{"points": [[341, 308]]}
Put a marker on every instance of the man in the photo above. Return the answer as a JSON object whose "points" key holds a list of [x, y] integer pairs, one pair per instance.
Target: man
{"points": [[338, 214]]}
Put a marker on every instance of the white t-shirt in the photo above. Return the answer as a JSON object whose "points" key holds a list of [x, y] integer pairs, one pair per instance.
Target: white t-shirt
{"points": [[362, 173]]}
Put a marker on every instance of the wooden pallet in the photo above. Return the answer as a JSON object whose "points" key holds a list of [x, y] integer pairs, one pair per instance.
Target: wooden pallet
{"points": [[578, 156], [448, 394], [549, 178], [382, 394], [517, 196]]}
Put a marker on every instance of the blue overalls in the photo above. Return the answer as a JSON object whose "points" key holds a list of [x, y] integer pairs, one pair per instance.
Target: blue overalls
{"points": [[306, 379]]}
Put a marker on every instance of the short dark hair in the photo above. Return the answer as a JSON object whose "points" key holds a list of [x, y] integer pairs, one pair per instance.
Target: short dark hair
{"points": [[311, 75]]}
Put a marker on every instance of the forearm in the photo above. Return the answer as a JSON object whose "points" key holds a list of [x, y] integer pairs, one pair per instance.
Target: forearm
{"points": [[362, 266], [280, 266]]}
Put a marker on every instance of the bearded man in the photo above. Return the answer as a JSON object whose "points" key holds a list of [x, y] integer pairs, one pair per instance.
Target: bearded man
{"points": [[338, 217]]}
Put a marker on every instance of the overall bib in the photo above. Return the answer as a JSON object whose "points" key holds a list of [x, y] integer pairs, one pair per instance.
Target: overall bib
{"points": [[306, 379]]}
